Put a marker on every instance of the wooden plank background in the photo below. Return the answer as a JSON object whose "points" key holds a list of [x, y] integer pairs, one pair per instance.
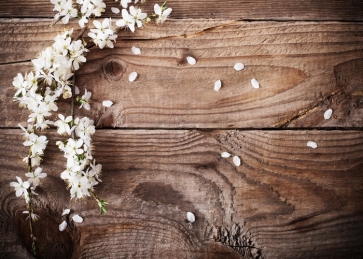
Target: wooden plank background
{"points": [[160, 143]]}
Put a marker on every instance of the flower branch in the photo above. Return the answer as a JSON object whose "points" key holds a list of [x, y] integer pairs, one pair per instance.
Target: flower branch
{"points": [[53, 77]]}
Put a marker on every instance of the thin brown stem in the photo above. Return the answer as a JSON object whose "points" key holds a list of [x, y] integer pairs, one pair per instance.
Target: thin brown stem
{"points": [[81, 33], [73, 98], [55, 22], [30, 210]]}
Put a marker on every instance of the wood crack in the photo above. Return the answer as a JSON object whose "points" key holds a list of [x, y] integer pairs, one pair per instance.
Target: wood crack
{"points": [[285, 123]]}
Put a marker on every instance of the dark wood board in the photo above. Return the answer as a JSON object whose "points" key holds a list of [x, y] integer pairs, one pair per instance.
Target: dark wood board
{"points": [[286, 200], [303, 68]]}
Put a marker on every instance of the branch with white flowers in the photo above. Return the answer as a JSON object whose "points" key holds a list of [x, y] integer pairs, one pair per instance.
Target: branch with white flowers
{"points": [[52, 78]]}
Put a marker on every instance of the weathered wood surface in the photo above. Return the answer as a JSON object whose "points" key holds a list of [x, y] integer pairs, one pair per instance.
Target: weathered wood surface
{"points": [[285, 201], [341, 10], [303, 69]]}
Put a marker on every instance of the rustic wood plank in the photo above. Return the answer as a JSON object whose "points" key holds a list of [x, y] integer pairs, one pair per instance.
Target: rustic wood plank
{"points": [[285, 201], [250, 10], [303, 69]]}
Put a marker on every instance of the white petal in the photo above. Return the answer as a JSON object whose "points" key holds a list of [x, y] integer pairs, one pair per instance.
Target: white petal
{"points": [[217, 85], [328, 114], [191, 60], [136, 50], [312, 144], [65, 212], [132, 76], [63, 226], [76, 90], [254, 83], [77, 218], [115, 10], [225, 154], [190, 217], [239, 66], [236, 161], [107, 103]]}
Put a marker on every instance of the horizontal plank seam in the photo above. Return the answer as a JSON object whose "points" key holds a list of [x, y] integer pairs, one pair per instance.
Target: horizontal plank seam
{"points": [[209, 19], [15, 62], [215, 129]]}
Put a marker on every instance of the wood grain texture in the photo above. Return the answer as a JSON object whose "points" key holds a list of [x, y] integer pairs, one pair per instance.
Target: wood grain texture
{"points": [[285, 201], [303, 69], [322, 10]]}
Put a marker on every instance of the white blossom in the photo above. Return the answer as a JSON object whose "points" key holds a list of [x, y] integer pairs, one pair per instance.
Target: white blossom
{"points": [[125, 3], [126, 21], [137, 15], [63, 125], [37, 144], [34, 177], [84, 128], [34, 216], [20, 187], [103, 35], [162, 14], [84, 100]]}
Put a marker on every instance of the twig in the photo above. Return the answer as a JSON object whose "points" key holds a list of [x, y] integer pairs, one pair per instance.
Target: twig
{"points": [[55, 22], [73, 98], [81, 33]]}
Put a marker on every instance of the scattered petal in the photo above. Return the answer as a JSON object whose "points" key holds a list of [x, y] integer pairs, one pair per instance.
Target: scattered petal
{"points": [[312, 144], [190, 217], [132, 76], [77, 218], [254, 83], [76, 90], [239, 66], [236, 161], [136, 50], [225, 154], [115, 10], [63, 226], [107, 103], [191, 61], [217, 85], [328, 114], [65, 212]]}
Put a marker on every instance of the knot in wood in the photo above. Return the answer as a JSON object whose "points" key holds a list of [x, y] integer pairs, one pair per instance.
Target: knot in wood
{"points": [[114, 68]]}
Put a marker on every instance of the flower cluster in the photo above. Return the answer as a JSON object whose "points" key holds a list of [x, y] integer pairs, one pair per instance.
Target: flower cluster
{"points": [[135, 16], [84, 8], [103, 34], [38, 90], [81, 175]]}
